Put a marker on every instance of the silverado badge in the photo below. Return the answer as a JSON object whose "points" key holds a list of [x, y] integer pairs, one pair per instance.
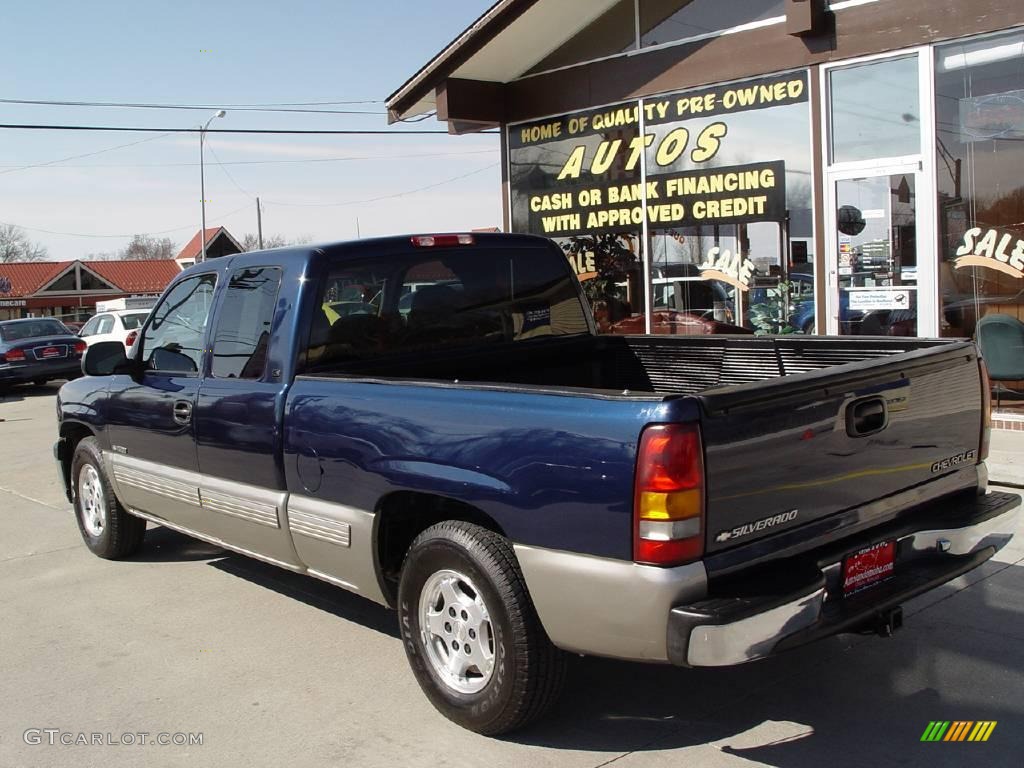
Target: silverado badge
{"points": [[758, 525]]}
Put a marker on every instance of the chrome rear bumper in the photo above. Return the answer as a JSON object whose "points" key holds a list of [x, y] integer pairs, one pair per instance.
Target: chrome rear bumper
{"points": [[732, 629]]}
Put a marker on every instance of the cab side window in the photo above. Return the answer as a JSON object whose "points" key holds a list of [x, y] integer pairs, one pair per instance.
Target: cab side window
{"points": [[173, 340], [106, 324], [244, 324]]}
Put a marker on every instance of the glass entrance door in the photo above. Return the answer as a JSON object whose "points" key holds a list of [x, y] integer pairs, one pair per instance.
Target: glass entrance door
{"points": [[875, 258], [879, 196]]}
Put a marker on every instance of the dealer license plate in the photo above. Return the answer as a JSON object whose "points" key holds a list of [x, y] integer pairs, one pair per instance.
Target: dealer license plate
{"points": [[50, 352], [869, 566]]}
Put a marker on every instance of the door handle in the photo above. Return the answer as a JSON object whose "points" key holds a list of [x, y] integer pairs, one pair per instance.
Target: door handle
{"points": [[183, 411], [866, 417]]}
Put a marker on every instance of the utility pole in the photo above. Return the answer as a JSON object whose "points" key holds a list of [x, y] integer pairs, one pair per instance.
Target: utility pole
{"points": [[259, 223]]}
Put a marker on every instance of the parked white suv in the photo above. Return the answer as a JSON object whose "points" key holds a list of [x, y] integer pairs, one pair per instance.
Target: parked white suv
{"points": [[121, 325]]}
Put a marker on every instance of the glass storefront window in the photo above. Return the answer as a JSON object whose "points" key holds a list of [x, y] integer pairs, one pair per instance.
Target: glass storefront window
{"points": [[665, 21], [979, 105], [745, 184], [875, 110], [576, 179], [728, 205]]}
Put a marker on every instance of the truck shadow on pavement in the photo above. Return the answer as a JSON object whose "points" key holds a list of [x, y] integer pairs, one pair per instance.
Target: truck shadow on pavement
{"points": [[17, 394], [849, 700], [165, 545]]}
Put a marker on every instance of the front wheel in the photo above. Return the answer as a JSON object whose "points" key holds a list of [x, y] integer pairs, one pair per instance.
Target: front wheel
{"points": [[471, 632], [107, 529]]}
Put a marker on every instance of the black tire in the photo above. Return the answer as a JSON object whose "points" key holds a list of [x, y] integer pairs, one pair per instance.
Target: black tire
{"points": [[528, 671], [121, 534], [40, 382]]}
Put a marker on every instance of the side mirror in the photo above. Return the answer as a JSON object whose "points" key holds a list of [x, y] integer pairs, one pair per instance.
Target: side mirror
{"points": [[105, 358]]}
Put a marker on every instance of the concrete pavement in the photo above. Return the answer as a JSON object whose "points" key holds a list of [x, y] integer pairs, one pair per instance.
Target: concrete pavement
{"points": [[1006, 457], [277, 669]]}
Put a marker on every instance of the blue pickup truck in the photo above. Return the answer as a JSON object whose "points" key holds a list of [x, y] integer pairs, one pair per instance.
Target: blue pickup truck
{"points": [[432, 422]]}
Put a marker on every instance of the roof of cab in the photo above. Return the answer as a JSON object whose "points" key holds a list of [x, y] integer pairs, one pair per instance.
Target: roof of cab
{"points": [[356, 249]]}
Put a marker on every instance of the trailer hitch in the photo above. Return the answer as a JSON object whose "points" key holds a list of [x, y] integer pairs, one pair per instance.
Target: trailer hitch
{"points": [[884, 623]]}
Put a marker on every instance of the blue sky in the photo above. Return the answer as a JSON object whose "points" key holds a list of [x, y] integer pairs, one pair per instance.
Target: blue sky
{"points": [[224, 52]]}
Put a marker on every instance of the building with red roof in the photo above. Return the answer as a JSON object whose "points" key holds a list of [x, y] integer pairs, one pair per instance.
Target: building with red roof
{"points": [[70, 289], [219, 242]]}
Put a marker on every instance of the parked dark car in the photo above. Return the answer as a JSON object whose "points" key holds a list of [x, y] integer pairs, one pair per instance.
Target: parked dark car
{"points": [[37, 350]]}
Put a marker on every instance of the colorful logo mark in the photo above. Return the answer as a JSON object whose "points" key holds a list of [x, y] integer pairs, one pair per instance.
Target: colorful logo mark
{"points": [[958, 730]]}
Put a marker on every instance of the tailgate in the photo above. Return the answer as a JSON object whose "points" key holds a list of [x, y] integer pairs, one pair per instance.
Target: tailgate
{"points": [[786, 452]]}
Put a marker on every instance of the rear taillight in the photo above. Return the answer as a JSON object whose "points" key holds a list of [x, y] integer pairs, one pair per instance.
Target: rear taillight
{"points": [[986, 411], [441, 241], [130, 340], [668, 506], [15, 356], [80, 347]]}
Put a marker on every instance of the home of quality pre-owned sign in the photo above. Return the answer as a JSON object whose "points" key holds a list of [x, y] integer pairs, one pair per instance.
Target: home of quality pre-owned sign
{"points": [[595, 184]]}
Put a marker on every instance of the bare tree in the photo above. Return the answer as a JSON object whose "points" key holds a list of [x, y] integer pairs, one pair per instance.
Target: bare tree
{"points": [[16, 246], [251, 241], [145, 247]]}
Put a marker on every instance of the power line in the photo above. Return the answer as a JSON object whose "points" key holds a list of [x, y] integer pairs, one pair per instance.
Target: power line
{"points": [[227, 172], [247, 205], [237, 108], [385, 197], [123, 234], [344, 158], [277, 131], [79, 157], [295, 104]]}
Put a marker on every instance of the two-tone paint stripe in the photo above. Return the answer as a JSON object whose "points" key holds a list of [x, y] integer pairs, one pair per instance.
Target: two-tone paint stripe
{"points": [[959, 730]]}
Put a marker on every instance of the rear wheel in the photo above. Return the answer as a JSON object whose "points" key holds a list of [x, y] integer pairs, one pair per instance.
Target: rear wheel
{"points": [[471, 632], [39, 382], [107, 529]]}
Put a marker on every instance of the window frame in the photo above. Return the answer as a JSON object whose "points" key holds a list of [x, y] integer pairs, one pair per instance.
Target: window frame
{"points": [[140, 345], [217, 313]]}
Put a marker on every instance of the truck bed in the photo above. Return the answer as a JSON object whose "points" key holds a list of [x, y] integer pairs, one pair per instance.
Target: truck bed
{"points": [[635, 365], [778, 418]]}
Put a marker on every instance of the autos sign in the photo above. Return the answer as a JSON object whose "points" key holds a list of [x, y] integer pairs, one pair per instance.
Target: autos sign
{"points": [[581, 173]]}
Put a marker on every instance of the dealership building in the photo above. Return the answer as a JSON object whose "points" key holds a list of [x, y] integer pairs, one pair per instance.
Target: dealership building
{"points": [[692, 155]]}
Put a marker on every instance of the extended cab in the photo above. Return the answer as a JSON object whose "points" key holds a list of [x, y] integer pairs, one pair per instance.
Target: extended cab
{"points": [[433, 423]]}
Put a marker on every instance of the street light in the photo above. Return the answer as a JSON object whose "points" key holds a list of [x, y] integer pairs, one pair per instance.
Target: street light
{"points": [[202, 179]]}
